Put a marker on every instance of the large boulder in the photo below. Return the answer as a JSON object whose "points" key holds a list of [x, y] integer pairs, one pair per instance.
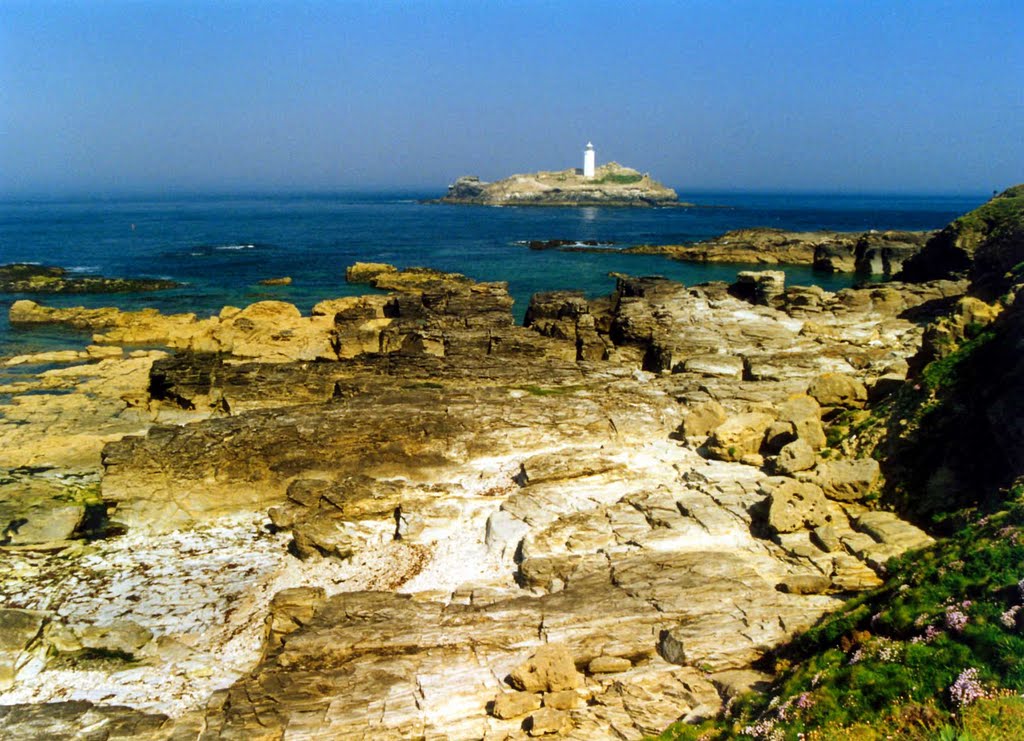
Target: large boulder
{"points": [[794, 505], [738, 436], [550, 669], [795, 456], [834, 258], [848, 480], [884, 252], [798, 418], [702, 419], [759, 286], [365, 272], [838, 390]]}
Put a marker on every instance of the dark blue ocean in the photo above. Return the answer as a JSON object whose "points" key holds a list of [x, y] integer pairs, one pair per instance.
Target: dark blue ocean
{"points": [[220, 247]]}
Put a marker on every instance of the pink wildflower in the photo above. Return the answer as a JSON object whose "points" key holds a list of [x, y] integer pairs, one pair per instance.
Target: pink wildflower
{"points": [[966, 689]]}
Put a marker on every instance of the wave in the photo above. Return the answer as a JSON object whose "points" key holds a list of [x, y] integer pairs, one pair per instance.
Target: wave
{"points": [[201, 250]]}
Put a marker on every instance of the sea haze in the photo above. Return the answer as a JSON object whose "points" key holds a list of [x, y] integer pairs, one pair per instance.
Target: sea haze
{"points": [[220, 247]]}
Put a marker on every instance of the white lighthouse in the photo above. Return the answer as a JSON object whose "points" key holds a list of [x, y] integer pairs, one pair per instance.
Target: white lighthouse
{"points": [[588, 161]]}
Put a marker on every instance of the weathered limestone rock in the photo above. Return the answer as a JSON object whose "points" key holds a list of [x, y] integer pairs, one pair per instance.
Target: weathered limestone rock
{"points": [[703, 418], [715, 364], [290, 610], [120, 636], [806, 584], [564, 700], [847, 480], [550, 669], [27, 520], [736, 682], [18, 630], [852, 575], [795, 456], [838, 390], [887, 528], [798, 417], [609, 665], [515, 704], [884, 252], [548, 721], [739, 435], [365, 272], [761, 287], [567, 464], [834, 258], [566, 315], [64, 417], [825, 537], [67, 720], [794, 505]]}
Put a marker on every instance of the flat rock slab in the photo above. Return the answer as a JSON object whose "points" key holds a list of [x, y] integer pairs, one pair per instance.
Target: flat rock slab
{"points": [[72, 720]]}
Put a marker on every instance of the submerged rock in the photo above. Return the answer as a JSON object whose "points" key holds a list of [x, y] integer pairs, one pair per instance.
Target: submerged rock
{"points": [[32, 278]]}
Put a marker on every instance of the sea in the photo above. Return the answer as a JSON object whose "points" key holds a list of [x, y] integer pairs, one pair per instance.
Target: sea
{"points": [[221, 246]]}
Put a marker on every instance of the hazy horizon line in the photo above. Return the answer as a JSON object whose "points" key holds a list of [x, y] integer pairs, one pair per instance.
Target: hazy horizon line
{"points": [[423, 191]]}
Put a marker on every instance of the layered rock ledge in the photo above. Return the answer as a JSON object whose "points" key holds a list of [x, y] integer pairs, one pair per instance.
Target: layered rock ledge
{"points": [[612, 185]]}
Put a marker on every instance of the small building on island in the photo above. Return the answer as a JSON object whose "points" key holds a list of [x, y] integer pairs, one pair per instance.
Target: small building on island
{"points": [[588, 161]]}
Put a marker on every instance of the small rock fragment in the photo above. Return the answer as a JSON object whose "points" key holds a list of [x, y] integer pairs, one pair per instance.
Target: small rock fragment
{"points": [[548, 721], [608, 665], [513, 704], [564, 700]]}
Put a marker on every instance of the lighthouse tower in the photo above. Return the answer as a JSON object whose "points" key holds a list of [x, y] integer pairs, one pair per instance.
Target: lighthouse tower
{"points": [[588, 161]]}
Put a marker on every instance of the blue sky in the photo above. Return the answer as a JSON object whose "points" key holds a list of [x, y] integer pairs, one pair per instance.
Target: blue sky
{"points": [[814, 95]]}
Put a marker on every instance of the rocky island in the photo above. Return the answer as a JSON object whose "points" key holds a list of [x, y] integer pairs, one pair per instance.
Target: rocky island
{"points": [[612, 185], [608, 185], [403, 515]]}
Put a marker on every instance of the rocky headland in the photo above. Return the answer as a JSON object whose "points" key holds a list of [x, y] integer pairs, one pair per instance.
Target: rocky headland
{"points": [[871, 253], [32, 278], [612, 185], [405, 516]]}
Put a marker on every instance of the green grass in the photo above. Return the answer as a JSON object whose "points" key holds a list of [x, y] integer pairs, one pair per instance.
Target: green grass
{"points": [[620, 178], [883, 666]]}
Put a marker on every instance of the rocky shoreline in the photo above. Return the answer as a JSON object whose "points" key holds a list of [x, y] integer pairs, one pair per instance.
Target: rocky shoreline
{"points": [[879, 253], [418, 498]]}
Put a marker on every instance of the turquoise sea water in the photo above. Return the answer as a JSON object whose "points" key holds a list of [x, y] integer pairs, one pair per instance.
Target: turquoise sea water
{"points": [[220, 247]]}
